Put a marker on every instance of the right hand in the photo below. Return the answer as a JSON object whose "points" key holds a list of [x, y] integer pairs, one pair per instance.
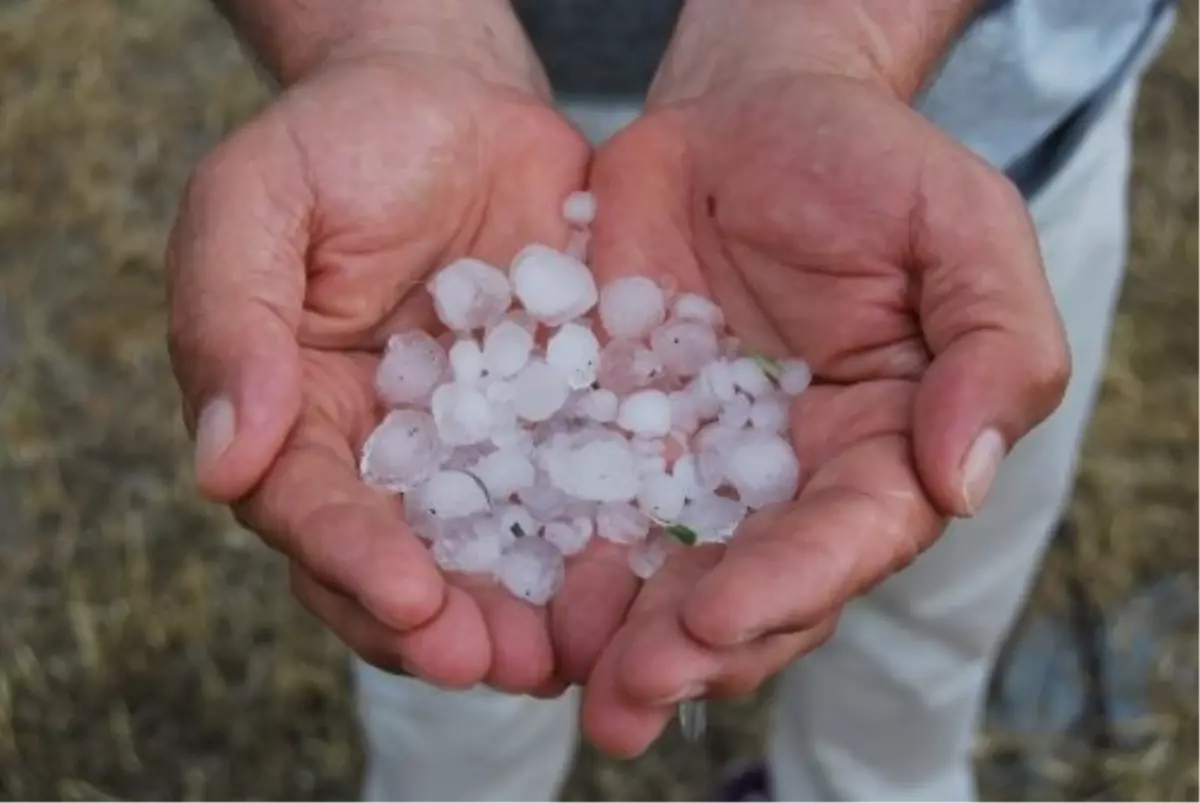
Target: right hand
{"points": [[302, 244]]}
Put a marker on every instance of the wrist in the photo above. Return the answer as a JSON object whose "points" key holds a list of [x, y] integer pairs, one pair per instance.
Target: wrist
{"points": [[293, 39], [892, 44]]}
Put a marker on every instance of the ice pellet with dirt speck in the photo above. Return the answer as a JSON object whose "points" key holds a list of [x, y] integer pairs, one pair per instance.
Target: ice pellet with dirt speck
{"points": [[410, 369], [532, 569]]}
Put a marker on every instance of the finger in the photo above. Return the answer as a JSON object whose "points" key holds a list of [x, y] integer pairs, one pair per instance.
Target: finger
{"points": [[235, 268], [522, 655], [642, 217], [826, 420], [313, 507], [1001, 361], [654, 664], [588, 610], [661, 662], [452, 651], [531, 210], [613, 721], [862, 516]]}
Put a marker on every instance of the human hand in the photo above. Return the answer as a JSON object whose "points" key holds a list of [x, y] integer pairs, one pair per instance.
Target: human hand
{"points": [[301, 245], [830, 222]]}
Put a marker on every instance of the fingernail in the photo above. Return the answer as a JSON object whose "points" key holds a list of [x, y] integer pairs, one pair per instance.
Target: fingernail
{"points": [[979, 468], [214, 433]]}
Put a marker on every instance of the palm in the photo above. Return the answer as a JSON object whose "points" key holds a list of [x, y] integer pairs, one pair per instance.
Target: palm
{"points": [[378, 174], [802, 206]]}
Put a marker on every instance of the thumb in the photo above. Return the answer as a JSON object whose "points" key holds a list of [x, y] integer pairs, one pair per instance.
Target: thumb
{"points": [[1001, 361], [235, 271]]}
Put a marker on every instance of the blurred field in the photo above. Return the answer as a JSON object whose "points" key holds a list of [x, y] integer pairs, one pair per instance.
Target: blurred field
{"points": [[149, 648]]}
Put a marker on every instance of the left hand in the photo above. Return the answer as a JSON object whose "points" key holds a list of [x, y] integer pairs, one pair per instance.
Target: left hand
{"points": [[833, 223]]}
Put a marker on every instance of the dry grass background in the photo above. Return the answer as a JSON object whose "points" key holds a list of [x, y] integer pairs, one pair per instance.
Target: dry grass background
{"points": [[148, 647]]}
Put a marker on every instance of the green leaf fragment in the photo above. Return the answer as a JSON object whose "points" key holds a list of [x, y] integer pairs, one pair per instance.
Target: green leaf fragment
{"points": [[683, 534], [770, 367]]}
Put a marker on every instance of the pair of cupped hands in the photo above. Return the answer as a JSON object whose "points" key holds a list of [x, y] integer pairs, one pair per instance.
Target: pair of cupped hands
{"points": [[827, 218]]}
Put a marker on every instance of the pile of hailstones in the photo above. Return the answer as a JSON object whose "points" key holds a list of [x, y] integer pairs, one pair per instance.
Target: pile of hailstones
{"points": [[524, 431]]}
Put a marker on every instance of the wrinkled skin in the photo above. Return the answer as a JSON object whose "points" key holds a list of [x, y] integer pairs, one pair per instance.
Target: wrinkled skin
{"points": [[833, 223], [302, 243]]}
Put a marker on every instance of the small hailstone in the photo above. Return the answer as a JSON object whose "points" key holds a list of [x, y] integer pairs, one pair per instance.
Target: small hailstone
{"points": [[750, 378], [719, 378], [469, 294], [506, 349], [631, 307], [403, 451], [763, 468], [713, 518], [736, 412], [552, 287], [651, 465], [463, 414], [540, 391], [703, 400], [684, 347], [532, 569], [410, 369], [685, 417], [648, 556], [575, 352], [621, 523], [646, 413], [600, 406], [544, 501], [580, 208], [770, 413], [469, 546], [661, 497], [691, 307], [452, 495], [712, 443], [684, 474], [625, 366], [421, 523], [466, 361], [504, 472], [647, 447], [795, 377], [569, 535], [603, 470]]}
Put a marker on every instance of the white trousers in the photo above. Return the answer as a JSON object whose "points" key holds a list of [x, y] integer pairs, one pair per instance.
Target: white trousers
{"points": [[888, 708]]}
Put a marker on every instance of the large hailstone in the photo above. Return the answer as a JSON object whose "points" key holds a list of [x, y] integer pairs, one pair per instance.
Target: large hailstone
{"points": [[601, 470], [403, 451], [575, 352], [532, 569], [411, 367], [470, 294], [452, 495], [552, 287], [762, 467], [540, 390], [631, 307], [684, 348]]}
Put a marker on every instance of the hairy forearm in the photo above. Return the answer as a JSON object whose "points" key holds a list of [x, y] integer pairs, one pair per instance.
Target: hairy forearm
{"points": [[892, 42], [291, 37]]}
